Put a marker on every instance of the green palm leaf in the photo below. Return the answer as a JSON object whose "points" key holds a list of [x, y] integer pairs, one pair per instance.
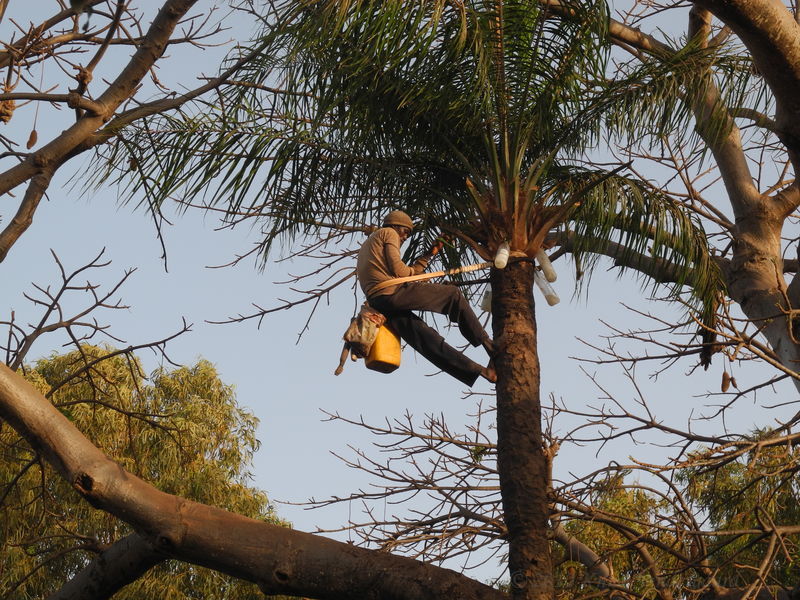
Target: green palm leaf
{"points": [[466, 114]]}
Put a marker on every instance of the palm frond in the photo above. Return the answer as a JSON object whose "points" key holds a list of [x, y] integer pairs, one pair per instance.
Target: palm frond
{"points": [[644, 231], [657, 97], [465, 114], [369, 98]]}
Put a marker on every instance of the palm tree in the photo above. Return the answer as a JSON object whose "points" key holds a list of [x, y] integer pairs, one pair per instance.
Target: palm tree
{"points": [[471, 115]]}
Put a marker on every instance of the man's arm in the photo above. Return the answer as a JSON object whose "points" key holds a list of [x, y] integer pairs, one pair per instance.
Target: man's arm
{"points": [[394, 262], [423, 261]]}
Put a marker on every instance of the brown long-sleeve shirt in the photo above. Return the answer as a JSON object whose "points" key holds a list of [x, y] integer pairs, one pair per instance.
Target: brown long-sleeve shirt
{"points": [[379, 259]]}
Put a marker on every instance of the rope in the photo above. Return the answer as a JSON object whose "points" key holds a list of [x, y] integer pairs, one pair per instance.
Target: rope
{"points": [[398, 280]]}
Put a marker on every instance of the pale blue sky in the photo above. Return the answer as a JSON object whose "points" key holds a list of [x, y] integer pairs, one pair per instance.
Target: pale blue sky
{"points": [[284, 383]]}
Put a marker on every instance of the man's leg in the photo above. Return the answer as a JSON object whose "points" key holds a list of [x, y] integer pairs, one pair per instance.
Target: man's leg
{"points": [[431, 345], [445, 300]]}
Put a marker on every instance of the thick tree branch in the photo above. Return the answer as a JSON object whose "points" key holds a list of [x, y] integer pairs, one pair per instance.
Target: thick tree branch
{"points": [[24, 216], [580, 552], [758, 118], [114, 568], [73, 100], [159, 106], [657, 270], [52, 155], [717, 128], [770, 32], [620, 33], [279, 560]]}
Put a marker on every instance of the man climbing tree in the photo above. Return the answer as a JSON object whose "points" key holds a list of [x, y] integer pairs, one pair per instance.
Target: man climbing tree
{"points": [[381, 272]]}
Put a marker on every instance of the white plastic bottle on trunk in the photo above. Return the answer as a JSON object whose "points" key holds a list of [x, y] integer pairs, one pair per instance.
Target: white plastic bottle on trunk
{"points": [[546, 289], [486, 302], [501, 258], [547, 267]]}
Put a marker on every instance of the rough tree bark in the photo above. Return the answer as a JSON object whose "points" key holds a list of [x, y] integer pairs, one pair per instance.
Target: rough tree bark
{"points": [[122, 563], [279, 560], [521, 460]]}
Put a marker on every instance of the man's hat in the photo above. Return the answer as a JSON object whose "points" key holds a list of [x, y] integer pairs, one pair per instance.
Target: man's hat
{"points": [[398, 217]]}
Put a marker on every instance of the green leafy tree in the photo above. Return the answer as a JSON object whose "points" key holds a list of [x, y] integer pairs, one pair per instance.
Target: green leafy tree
{"points": [[751, 501], [618, 514], [756, 494], [181, 427]]}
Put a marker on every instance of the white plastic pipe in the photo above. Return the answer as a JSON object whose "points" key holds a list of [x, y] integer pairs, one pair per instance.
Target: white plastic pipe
{"points": [[547, 267], [501, 258], [546, 289]]}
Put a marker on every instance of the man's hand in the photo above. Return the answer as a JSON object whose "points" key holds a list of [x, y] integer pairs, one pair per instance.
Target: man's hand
{"points": [[438, 244], [436, 247]]}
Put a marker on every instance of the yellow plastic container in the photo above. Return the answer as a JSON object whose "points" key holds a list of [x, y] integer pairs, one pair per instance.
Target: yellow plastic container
{"points": [[384, 356]]}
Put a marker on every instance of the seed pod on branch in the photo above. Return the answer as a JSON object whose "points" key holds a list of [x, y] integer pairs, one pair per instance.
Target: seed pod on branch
{"points": [[7, 110], [726, 382]]}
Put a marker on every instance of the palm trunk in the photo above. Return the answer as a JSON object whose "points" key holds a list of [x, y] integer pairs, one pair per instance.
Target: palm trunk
{"points": [[521, 459]]}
